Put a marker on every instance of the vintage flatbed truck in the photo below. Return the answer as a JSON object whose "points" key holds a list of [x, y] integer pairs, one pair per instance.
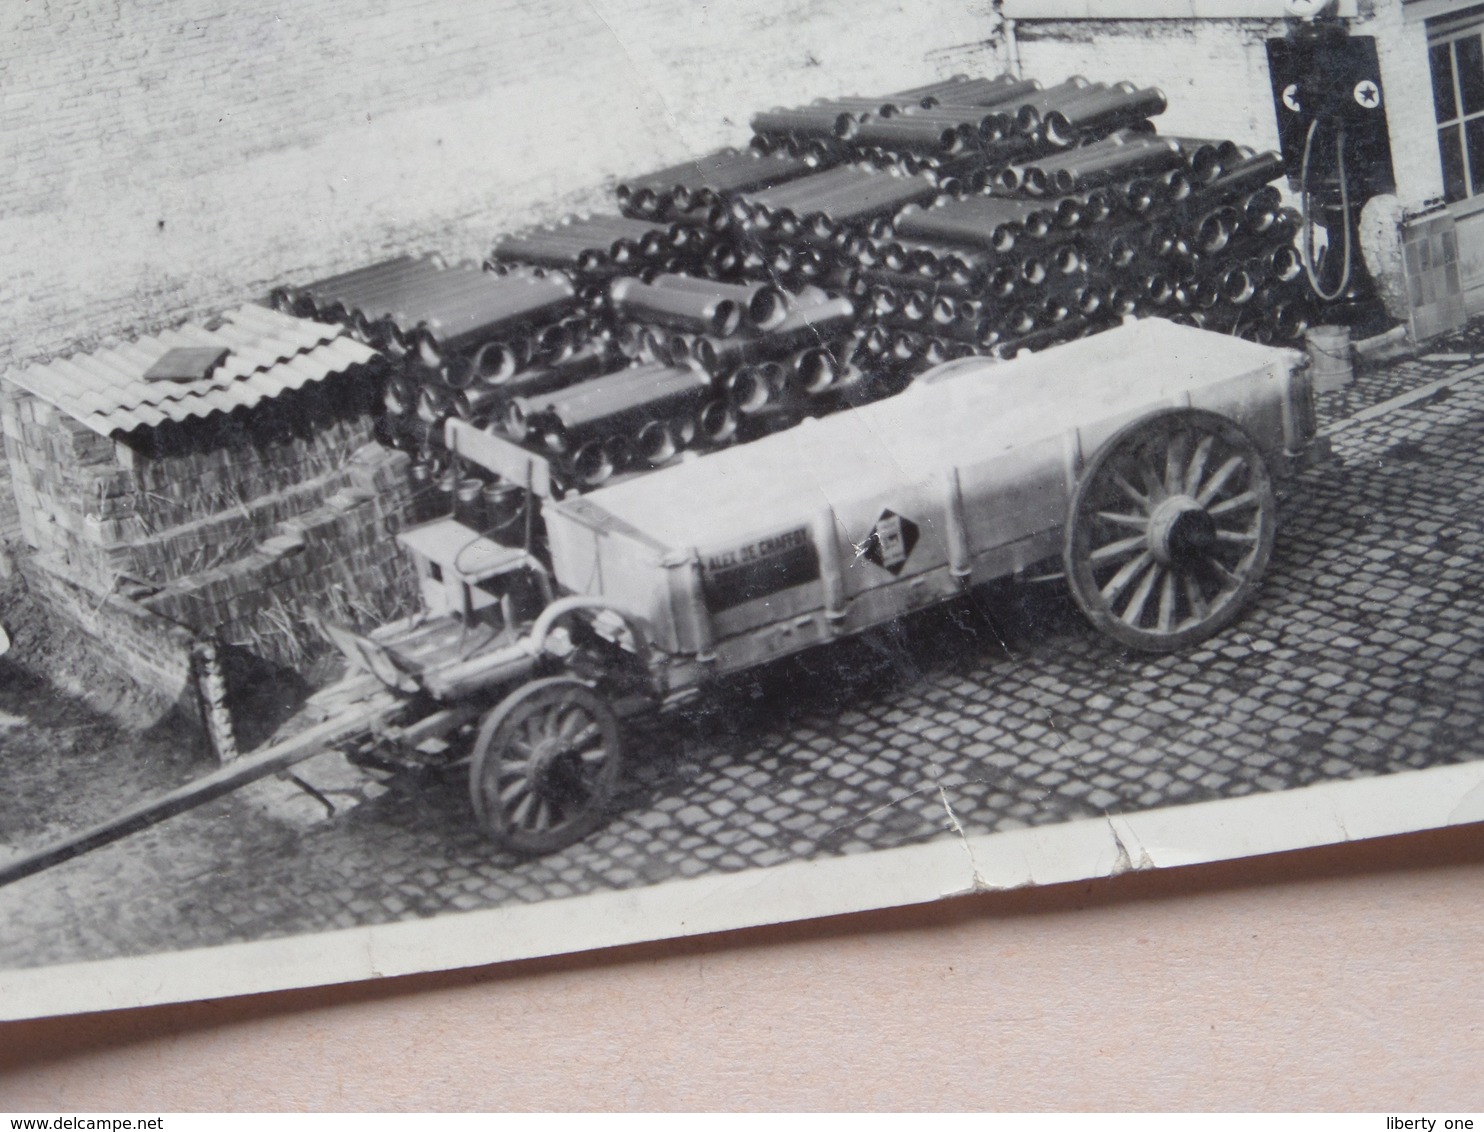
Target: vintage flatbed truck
{"points": [[1144, 457]]}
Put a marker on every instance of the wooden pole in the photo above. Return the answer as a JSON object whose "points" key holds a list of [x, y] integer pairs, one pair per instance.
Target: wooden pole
{"points": [[356, 720]]}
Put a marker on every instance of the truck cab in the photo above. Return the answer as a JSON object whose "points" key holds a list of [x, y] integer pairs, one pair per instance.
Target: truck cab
{"points": [[463, 573]]}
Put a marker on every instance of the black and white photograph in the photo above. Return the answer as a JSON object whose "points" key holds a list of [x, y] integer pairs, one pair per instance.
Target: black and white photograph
{"points": [[489, 480]]}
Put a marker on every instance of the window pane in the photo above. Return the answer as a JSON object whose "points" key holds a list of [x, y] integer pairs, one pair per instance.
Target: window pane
{"points": [[1470, 56], [1474, 143], [1451, 148], [1442, 82]]}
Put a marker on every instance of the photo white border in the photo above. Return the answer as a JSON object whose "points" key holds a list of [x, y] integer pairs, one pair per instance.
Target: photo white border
{"points": [[1225, 829]]}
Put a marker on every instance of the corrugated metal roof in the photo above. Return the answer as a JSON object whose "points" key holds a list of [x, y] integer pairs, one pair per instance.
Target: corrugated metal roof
{"points": [[270, 352]]}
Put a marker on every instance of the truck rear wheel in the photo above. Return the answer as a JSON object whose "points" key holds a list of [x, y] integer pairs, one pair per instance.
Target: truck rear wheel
{"points": [[545, 766], [1170, 529]]}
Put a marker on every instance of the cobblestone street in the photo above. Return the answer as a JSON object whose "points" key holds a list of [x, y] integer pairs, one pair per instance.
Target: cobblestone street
{"points": [[1362, 656]]}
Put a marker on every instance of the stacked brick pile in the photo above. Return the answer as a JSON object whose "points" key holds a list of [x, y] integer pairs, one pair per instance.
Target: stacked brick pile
{"points": [[339, 560], [61, 471], [238, 528], [155, 506]]}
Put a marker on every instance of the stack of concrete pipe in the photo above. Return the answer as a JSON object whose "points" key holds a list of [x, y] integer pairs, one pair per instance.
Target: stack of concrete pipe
{"points": [[953, 129], [796, 231], [853, 243], [449, 334], [711, 180], [1057, 211], [1178, 232], [700, 364], [592, 250]]}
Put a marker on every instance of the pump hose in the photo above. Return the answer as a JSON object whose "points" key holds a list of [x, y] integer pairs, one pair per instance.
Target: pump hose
{"points": [[1309, 215]]}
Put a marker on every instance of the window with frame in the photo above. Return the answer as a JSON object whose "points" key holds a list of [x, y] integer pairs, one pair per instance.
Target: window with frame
{"points": [[1456, 57]]}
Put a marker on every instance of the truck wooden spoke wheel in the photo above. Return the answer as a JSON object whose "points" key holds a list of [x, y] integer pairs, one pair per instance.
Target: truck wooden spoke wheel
{"points": [[545, 766], [1170, 529]]}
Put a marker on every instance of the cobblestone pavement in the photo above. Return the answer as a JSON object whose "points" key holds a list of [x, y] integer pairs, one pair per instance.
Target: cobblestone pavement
{"points": [[1375, 382], [1361, 657]]}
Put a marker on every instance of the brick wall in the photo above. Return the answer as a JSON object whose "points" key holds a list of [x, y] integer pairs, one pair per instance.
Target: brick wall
{"points": [[10, 518], [111, 509], [240, 529], [153, 652], [158, 160]]}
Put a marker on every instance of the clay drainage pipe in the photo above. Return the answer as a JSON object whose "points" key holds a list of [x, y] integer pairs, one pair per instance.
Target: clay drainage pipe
{"points": [[695, 313]]}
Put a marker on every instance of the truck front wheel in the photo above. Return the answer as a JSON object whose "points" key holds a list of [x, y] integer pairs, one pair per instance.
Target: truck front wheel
{"points": [[545, 766]]}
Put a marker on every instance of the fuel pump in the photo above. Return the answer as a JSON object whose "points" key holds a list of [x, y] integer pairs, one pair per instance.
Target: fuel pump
{"points": [[1331, 112]]}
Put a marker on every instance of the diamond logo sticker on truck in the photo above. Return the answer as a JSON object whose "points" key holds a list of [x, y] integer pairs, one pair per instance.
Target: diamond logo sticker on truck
{"points": [[891, 541]]}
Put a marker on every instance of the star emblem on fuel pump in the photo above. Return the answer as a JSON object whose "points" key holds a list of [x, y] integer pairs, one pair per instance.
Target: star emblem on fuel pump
{"points": [[1368, 94]]}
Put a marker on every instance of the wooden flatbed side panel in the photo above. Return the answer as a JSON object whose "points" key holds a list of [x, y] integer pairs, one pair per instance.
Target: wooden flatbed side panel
{"points": [[1256, 400], [1013, 496], [974, 470], [773, 640], [886, 536]]}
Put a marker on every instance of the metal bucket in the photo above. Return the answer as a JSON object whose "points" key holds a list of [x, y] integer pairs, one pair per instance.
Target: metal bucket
{"points": [[1329, 357]]}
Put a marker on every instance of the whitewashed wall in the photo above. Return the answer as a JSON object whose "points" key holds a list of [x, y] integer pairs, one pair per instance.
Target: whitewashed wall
{"points": [[158, 159]]}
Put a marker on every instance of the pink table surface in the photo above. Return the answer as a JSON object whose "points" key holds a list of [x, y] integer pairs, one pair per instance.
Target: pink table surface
{"points": [[1349, 977]]}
